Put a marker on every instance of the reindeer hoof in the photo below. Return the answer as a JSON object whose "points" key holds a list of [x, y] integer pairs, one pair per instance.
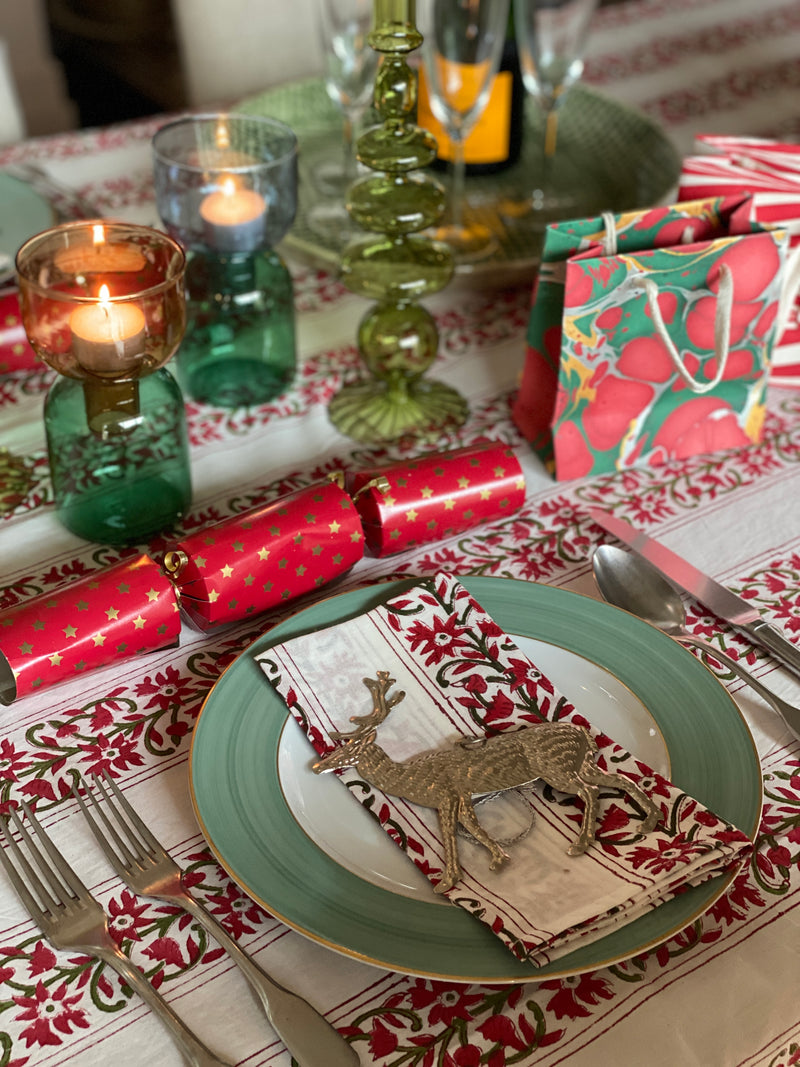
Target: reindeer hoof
{"points": [[498, 861], [443, 886], [577, 848]]}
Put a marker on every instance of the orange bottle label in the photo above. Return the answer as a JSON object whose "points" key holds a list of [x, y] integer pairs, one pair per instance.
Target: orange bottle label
{"points": [[489, 140]]}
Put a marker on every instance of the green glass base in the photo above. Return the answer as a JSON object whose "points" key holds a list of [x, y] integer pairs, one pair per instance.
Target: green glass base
{"points": [[371, 411], [118, 480], [239, 349]]}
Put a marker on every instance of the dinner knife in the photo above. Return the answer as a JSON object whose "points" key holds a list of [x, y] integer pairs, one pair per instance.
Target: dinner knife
{"points": [[718, 598]]}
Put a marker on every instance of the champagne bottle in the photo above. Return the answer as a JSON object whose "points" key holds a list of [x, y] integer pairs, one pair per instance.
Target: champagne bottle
{"points": [[496, 139]]}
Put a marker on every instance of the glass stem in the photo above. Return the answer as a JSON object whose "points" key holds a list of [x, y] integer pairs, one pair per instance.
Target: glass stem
{"points": [[350, 168], [457, 186]]}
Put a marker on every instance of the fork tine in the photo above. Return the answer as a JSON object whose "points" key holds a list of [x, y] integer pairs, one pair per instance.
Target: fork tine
{"points": [[133, 820], [117, 857], [70, 878], [37, 910]]}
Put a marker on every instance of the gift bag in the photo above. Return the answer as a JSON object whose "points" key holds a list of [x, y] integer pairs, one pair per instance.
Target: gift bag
{"points": [[650, 336]]}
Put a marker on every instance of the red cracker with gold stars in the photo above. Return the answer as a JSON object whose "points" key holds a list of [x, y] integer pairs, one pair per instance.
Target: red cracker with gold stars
{"points": [[266, 556], [15, 352], [432, 497], [116, 614]]}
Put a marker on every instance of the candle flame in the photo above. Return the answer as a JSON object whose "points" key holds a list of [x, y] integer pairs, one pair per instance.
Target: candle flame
{"points": [[229, 186], [98, 235], [104, 294], [223, 135]]}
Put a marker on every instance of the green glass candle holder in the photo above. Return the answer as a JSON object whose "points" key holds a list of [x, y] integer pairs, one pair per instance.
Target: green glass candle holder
{"points": [[103, 304], [393, 264], [226, 189]]}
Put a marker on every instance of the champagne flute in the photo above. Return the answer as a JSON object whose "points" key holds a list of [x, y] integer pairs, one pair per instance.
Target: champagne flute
{"points": [[462, 48], [551, 38], [350, 68]]}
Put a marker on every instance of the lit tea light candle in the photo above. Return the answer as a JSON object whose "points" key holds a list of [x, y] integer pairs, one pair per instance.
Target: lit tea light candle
{"points": [[108, 338], [99, 257], [234, 220]]}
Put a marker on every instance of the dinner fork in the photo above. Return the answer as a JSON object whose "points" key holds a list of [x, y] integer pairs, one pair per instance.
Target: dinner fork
{"points": [[70, 918], [147, 868]]}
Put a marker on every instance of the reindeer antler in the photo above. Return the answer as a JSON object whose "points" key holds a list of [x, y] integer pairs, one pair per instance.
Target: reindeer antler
{"points": [[381, 707]]}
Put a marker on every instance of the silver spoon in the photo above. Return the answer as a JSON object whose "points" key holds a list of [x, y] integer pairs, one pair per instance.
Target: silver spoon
{"points": [[628, 581]]}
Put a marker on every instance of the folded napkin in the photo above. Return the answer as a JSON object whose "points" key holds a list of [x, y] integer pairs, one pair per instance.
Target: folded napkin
{"points": [[462, 675]]}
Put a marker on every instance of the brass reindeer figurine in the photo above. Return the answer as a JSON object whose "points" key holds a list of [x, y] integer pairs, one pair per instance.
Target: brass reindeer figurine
{"points": [[446, 779]]}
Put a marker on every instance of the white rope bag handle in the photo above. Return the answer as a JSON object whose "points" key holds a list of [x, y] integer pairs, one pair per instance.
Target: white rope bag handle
{"points": [[722, 315]]}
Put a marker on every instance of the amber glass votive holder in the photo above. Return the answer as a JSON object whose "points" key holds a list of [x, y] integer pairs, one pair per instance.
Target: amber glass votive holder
{"points": [[226, 188], [103, 304]]}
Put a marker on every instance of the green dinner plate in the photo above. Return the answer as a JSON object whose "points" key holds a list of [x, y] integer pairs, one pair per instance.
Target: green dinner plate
{"points": [[23, 212], [612, 157], [242, 811]]}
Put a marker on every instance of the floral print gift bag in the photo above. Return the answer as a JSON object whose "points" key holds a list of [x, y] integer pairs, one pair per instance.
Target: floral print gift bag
{"points": [[650, 336]]}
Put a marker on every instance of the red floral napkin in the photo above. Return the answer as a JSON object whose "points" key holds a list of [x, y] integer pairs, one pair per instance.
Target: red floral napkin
{"points": [[462, 675]]}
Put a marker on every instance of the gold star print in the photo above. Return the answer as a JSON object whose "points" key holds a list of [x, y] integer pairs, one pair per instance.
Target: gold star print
{"points": [[319, 581], [138, 622], [412, 515], [355, 536], [431, 524], [519, 483], [463, 483], [316, 550], [162, 629], [232, 605], [274, 530], [249, 579], [499, 472], [263, 553], [402, 482], [267, 587], [124, 587], [82, 605], [213, 596], [469, 513], [389, 501], [485, 494], [122, 647], [298, 539], [286, 594], [226, 571], [94, 585], [334, 526], [39, 624], [80, 665], [311, 519], [283, 563], [449, 504], [26, 648], [69, 631], [438, 471], [394, 535], [55, 660], [300, 571], [209, 540], [337, 559], [474, 462], [200, 562], [426, 493], [152, 594], [99, 640], [238, 546], [112, 613]]}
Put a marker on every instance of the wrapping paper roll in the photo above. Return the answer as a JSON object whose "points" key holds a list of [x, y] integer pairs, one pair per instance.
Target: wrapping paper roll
{"points": [[426, 499], [111, 615], [275, 553]]}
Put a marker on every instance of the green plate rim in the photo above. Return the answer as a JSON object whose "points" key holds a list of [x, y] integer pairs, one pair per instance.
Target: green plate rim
{"points": [[234, 750], [31, 200]]}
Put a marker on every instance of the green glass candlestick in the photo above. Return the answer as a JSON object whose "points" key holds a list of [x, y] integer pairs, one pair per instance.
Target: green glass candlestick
{"points": [[103, 304], [394, 265]]}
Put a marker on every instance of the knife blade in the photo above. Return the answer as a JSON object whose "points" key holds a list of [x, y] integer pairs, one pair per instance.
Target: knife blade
{"points": [[721, 600]]}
